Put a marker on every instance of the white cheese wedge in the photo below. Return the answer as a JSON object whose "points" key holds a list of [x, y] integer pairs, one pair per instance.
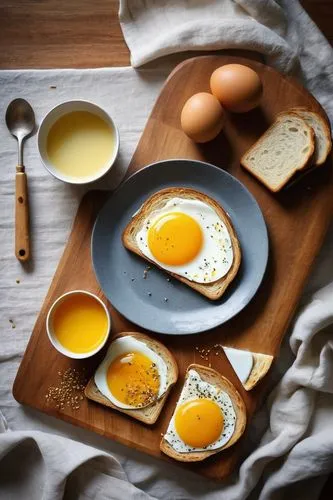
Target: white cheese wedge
{"points": [[241, 361]]}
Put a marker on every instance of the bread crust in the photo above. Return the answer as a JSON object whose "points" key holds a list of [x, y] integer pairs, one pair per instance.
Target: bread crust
{"points": [[213, 377], [326, 128], [212, 291], [307, 162], [261, 365], [149, 414]]}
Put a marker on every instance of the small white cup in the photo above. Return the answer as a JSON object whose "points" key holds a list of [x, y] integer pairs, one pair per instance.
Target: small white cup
{"points": [[53, 339], [54, 115]]}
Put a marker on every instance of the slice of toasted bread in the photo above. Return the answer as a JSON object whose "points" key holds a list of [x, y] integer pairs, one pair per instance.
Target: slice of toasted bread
{"points": [[285, 148], [213, 290], [149, 414], [213, 377], [323, 141], [261, 365]]}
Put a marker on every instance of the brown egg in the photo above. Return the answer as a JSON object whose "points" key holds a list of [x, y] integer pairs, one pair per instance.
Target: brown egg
{"points": [[202, 117], [237, 87]]}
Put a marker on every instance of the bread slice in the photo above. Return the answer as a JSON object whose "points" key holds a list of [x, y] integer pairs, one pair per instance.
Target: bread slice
{"points": [[213, 290], [321, 128], [213, 377], [149, 414], [261, 365], [286, 147]]}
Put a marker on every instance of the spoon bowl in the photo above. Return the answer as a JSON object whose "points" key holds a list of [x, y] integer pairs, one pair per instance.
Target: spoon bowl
{"points": [[20, 120]]}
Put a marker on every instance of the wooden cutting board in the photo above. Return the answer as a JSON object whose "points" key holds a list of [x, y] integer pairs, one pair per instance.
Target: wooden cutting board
{"points": [[297, 220]]}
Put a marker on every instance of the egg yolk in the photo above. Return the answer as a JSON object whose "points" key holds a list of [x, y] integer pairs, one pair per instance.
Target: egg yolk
{"points": [[199, 422], [175, 239], [133, 379]]}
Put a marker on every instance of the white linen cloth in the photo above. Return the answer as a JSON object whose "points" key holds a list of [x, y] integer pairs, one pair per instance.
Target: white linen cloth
{"points": [[290, 442]]}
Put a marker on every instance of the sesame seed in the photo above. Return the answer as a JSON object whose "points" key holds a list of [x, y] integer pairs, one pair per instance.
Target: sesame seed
{"points": [[69, 391]]}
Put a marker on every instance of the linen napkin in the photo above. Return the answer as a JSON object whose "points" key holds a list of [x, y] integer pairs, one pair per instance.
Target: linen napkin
{"points": [[280, 30], [289, 445]]}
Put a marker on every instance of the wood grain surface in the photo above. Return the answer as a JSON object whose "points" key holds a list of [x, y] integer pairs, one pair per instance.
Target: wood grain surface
{"points": [[297, 220], [83, 33], [22, 236]]}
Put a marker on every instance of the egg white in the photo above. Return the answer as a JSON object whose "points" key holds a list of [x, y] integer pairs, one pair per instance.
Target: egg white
{"points": [[125, 345], [195, 388], [216, 255]]}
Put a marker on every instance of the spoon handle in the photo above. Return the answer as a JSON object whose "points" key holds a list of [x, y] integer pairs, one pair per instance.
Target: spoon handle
{"points": [[22, 239]]}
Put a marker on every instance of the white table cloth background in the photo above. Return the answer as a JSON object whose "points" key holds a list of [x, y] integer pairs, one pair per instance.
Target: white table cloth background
{"points": [[289, 444]]}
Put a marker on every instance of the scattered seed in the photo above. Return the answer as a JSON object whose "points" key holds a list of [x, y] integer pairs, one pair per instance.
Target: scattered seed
{"points": [[145, 272], [69, 391]]}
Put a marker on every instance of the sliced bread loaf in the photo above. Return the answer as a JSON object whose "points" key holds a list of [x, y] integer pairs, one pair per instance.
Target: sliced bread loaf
{"points": [[323, 142], [286, 147]]}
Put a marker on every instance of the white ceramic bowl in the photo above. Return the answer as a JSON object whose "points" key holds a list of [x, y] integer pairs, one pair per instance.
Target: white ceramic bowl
{"points": [[53, 339], [54, 115]]}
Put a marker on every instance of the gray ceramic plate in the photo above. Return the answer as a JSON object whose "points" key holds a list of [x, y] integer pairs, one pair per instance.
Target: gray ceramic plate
{"points": [[120, 273]]}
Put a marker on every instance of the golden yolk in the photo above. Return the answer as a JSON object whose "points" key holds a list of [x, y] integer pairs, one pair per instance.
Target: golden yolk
{"points": [[80, 323], [199, 422], [133, 379], [175, 239]]}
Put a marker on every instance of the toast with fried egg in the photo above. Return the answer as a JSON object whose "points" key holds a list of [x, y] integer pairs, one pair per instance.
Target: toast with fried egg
{"points": [[149, 414], [222, 384], [214, 289]]}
